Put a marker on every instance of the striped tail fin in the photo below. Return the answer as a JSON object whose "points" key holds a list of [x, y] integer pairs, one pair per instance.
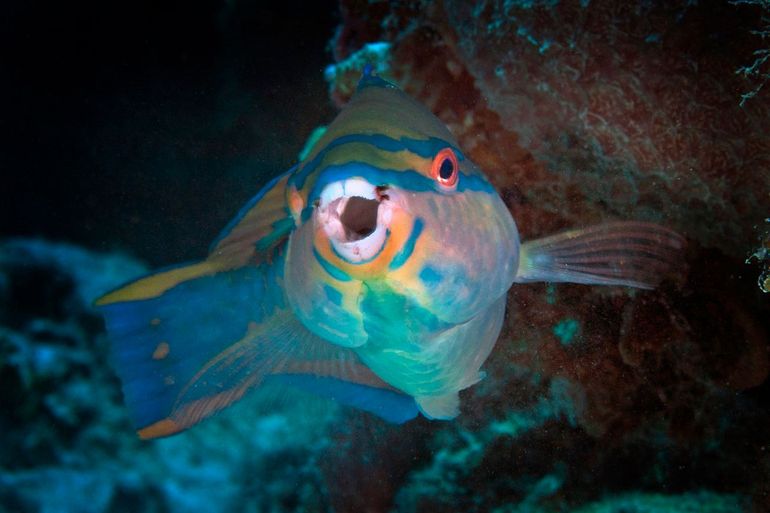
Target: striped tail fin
{"points": [[188, 342], [184, 341]]}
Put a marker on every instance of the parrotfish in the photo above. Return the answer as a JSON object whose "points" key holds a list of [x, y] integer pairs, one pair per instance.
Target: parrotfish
{"points": [[375, 272]]}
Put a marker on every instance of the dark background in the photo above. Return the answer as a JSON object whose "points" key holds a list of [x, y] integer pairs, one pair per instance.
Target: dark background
{"points": [[144, 126]]}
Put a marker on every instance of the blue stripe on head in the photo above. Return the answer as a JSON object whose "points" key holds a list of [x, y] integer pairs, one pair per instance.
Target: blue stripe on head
{"points": [[424, 148], [406, 251], [407, 179]]}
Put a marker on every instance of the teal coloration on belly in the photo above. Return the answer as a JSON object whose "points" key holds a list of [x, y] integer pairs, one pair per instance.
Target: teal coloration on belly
{"points": [[333, 295], [385, 321]]}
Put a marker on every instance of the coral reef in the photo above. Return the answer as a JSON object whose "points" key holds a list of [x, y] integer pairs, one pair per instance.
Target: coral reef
{"points": [[580, 113], [67, 441], [629, 109]]}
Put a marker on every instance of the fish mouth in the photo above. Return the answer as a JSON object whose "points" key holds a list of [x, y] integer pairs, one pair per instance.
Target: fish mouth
{"points": [[355, 216]]}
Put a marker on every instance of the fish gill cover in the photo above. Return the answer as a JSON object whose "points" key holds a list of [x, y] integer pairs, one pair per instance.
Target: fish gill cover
{"points": [[595, 399]]}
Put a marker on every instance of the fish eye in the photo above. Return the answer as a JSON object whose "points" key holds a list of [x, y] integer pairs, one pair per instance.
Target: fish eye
{"points": [[445, 169]]}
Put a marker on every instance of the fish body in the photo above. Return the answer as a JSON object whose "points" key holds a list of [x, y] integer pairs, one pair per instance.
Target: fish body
{"points": [[374, 272], [412, 295]]}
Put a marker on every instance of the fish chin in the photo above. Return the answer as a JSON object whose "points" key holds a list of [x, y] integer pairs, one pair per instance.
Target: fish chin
{"points": [[355, 216]]}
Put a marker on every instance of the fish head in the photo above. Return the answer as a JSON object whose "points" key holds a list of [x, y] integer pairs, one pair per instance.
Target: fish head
{"points": [[399, 233]]}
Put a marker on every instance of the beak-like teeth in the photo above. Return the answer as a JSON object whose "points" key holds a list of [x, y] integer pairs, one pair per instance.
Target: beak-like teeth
{"points": [[348, 188], [340, 206], [360, 234]]}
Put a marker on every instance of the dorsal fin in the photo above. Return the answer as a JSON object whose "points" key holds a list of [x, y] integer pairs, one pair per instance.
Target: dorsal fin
{"points": [[369, 78], [262, 224]]}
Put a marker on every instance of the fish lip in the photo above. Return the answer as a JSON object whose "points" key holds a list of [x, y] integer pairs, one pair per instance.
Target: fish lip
{"points": [[330, 208]]}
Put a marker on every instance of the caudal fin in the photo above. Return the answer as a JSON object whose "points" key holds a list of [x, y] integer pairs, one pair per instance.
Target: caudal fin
{"points": [[190, 341], [633, 254], [185, 348]]}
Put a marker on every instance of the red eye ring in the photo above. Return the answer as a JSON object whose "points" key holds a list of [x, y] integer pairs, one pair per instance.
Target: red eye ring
{"points": [[445, 168]]}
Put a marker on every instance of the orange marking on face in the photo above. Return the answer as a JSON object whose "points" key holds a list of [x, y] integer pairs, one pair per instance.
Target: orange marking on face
{"points": [[400, 227], [296, 204], [161, 351], [155, 322]]}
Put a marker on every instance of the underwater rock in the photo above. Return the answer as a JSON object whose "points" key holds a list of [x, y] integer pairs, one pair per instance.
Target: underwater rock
{"points": [[761, 256], [581, 112], [703, 502], [68, 445], [343, 76], [629, 110]]}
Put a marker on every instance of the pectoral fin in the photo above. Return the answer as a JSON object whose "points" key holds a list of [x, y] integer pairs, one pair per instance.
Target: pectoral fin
{"points": [[385, 402], [251, 238], [439, 407], [633, 254], [336, 372], [261, 225]]}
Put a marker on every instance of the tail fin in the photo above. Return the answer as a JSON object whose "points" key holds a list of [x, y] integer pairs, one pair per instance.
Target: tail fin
{"points": [[190, 341], [633, 254], [186, 350]]}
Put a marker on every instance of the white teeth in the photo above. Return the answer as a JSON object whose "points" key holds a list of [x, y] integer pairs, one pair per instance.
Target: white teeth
{"points": [[349, 187], [385, 214], [332, 203], [340, 208], [333, 227], [358, 187], [331, 192]]}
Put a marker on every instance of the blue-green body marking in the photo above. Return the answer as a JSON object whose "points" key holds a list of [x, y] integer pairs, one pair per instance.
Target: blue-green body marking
{"points": [[407, 249], [333, 271]]}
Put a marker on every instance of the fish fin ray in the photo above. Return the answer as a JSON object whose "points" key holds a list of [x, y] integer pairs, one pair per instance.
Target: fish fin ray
{"points": [[633, 254], [336, 372], [388, 404], [261, 225], [197, 346]]}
